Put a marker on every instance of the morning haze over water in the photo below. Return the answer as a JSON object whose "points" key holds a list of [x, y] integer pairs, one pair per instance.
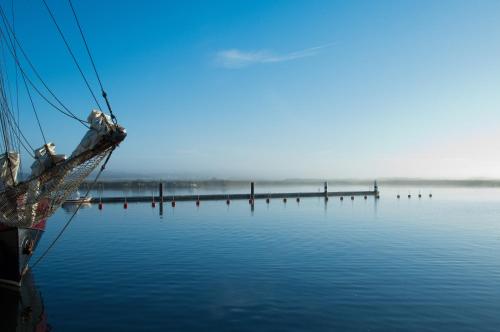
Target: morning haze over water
{"points": [[249, 165]]}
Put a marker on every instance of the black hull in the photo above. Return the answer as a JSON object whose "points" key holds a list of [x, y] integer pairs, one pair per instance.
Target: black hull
{"points": [[16, 248], [22, 309]]}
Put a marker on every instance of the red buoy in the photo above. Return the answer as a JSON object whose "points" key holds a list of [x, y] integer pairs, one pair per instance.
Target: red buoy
{"points": [[125, 205], [153, 204], [100, 205]]}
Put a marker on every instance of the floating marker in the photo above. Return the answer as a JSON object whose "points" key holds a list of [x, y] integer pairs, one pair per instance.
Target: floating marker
{"points": [[430, 195], [125, 205], [267, 200], [284, 200], [352, 198], [228, 201], [341, 198], [366, 197], [198, 202], [298, 199], [100, 205], [409, 196], [173, 203], [419, 195], [153, 204], [398, 196]]}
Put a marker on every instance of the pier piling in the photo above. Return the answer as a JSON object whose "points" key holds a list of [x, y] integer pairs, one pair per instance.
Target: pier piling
{"points": [[160, 191]]}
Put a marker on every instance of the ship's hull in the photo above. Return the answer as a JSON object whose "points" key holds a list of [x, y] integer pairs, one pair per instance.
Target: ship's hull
{"points": [[16, 248], [22, 310]]}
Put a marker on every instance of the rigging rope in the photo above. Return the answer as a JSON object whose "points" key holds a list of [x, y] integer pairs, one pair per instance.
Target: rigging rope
{"points": [[104, 94], [9, 135], [103, 167], [27, 89], [16, 76], [18, 133], [4, 110], [71, 52], [15, 131], [34, 110], [12, 49], [5, 89]]}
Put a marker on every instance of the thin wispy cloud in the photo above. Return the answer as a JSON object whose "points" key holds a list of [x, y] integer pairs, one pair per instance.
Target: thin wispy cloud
{"points": [[234, 58]]}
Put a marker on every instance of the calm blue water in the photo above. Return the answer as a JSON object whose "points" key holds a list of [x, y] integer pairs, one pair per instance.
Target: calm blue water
{"points": [[391, 265]]}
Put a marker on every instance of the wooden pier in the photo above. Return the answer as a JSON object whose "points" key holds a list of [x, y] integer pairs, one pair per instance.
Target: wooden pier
{"points": [[224, 197]]}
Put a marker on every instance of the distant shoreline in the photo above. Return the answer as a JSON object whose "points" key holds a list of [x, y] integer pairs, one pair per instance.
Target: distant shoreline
{"points": [[391, 182]]}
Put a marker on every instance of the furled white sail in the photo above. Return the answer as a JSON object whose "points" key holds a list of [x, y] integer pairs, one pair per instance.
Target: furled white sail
{"points": [[9, 167], [45, 157], [100, 125]]}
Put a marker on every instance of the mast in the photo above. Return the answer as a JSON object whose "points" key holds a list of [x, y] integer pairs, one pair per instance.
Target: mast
{"points": [[9, 158]]}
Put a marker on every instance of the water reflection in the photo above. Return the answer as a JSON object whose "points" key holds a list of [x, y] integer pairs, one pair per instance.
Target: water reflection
{"points": [[70, 208], [22, 309]]}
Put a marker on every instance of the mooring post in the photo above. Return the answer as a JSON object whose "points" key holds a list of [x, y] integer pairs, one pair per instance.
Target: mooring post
{"points": [[252, 190], [326, 189], [160, 191]]}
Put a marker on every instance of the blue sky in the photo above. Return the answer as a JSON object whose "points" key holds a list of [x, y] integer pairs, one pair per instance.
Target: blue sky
{"points": [[280, 89]]}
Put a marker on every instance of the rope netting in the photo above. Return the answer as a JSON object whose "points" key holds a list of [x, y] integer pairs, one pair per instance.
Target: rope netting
{"points": [[30, 202]]}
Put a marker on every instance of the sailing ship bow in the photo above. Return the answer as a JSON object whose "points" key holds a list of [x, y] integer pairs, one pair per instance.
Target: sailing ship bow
{"points": [[27, 201]]}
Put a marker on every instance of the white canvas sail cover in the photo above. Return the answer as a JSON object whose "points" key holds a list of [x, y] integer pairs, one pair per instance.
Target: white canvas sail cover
{"points": [[100, 125], [38, 197], [45, 157], [9, 167]]}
